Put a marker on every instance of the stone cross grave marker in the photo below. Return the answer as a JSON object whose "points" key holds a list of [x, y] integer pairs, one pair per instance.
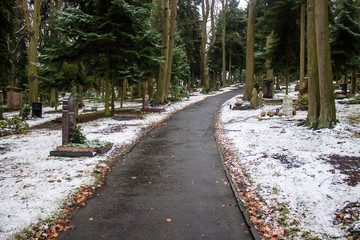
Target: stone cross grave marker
{"points": [[287, 105], [68, 117]]}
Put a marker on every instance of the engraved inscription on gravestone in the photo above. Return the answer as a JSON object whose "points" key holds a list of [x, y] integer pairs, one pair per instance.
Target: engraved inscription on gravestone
{"points": [[68, 117]]}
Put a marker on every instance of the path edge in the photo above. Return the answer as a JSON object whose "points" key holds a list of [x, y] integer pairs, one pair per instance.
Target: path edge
{"points": [[238, 197]]}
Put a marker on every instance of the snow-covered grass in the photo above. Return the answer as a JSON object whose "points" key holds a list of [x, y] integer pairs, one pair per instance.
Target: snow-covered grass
{"points": [[286, 169], [33, 185]]}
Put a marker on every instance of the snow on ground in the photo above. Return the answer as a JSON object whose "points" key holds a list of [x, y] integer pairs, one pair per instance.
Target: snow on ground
{"points": [[287, 164], [34, 185]]}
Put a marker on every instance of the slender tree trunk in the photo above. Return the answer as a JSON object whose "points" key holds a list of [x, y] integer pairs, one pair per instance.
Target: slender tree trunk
{"points": [[150, 86], [132, 93], [269, 70], [205, 7], [250, 41], [171, 45], [161, 82], [211, 46], [230, 76], [353, 81], [223, 43], [113, 95], [303, 81], [52, 97], [313, 75], [33, 25], [107, 86], [327, 100]]}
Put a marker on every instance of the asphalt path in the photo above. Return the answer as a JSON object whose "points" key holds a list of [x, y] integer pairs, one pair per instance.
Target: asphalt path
{"points": [[170, 186]]}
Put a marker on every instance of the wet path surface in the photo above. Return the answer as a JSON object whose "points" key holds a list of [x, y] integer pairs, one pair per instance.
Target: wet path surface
{"points": [[171, 186]]}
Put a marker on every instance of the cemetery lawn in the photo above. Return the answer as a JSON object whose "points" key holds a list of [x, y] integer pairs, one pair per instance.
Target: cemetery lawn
{"points": [[296, 183], [35, 186]]}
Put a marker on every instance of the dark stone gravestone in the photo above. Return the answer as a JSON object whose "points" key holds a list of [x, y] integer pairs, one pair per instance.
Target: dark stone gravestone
{"points": [[37, 109], [344, 88], [268, 87], [68, 117]]}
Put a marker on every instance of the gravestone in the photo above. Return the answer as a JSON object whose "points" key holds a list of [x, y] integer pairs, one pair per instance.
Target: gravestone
{"points": [[37, 109], [14, 99], [255, 100], [146, 101], [287, 105], [1, 98], [268, 87], [68, 117]]}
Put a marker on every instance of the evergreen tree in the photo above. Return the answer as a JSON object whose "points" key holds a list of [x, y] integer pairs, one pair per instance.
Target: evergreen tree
{"points": [[345, 37]]}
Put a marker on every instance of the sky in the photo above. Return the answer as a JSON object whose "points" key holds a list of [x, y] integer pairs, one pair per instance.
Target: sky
{"points": [[243, 4]]}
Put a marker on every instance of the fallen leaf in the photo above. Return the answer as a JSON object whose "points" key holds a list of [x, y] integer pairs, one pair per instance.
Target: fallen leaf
{"points": [[172, 156], [90, 219], [223, 205], [168, 220], [133, 177]]}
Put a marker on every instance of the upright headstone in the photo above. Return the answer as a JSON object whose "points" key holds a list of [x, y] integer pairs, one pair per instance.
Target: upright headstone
{"points": [[68, 117], [37, 109], [146, 101], [268, 87], [287, 105], [254, 101], [14, 99]]}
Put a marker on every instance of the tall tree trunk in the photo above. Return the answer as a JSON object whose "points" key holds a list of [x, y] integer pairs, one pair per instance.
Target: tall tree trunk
{"points": [[327, 101], [223, 43], [205, 53], [230, 76], [150, 86], [250, 41], [303, 81], [269, 70], [33, 25], [171, 45], [313, 75], [353, 81], [205, 8], [161, 81], [107, 86]]}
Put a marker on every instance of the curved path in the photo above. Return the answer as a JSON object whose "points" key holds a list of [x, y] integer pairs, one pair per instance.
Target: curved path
{"points": [[171, 186]]}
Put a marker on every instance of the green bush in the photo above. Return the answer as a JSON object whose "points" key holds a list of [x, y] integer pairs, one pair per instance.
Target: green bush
{"points": [[76, 136], [24, 113], [14, 125], [178, 92]]}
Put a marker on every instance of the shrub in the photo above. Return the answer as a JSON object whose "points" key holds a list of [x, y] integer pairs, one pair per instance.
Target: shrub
{"points": [[76, 136], [14, 125], [24, 112]]}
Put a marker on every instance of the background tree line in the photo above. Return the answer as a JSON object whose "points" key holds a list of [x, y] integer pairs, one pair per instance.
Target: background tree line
{"points": [[164, 47]]}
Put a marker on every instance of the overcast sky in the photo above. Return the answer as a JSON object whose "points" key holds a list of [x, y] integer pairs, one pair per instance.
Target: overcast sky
{"points": [[243, 4]]}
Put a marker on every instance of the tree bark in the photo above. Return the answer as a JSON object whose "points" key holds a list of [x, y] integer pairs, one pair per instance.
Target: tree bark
{"points": [[161, 81], [250, 41], [171, 45], [269, 70], [313, 75], [33, 25], [327, 101], [353, 81], [230, 76], [107, 86], [303, 81], [223, 43]]}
